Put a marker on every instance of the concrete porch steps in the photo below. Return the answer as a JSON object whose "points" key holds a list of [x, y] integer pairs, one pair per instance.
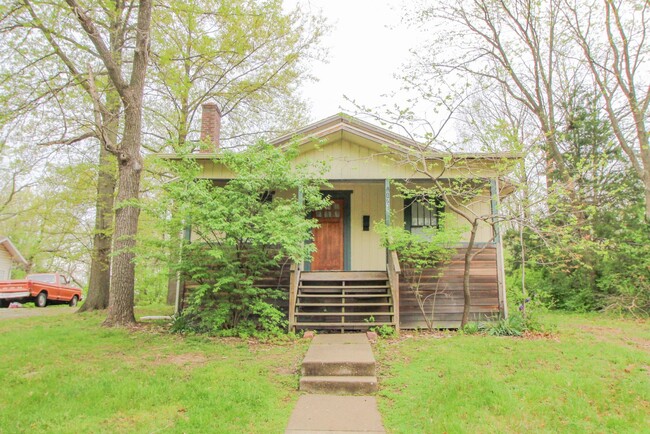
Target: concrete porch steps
{"points": [[332, 358], [342, 384], [335, 367]]}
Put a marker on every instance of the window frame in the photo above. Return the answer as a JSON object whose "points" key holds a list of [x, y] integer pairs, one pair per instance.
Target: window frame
{"points": [[408, 211]]}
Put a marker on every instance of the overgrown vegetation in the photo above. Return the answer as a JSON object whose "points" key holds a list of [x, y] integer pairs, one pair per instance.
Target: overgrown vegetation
{"points": [[590, 249], [242, 231], [516, 324]]}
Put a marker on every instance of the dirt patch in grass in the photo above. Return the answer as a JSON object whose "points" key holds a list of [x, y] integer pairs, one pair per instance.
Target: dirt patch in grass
{"points": [[642, 344], [534, 336], [600, 330], [615, 336], [187, 359]]}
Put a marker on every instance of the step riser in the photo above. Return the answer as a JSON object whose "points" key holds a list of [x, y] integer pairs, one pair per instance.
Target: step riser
{"points": [[314, 369], [358, 316], [348, 276], [368, 291], [308, 384]]}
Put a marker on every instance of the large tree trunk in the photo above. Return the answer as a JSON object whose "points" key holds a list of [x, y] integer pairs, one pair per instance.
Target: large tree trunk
{"points": [[127, 214], [100, 266], [100, 270], [120, 309]]}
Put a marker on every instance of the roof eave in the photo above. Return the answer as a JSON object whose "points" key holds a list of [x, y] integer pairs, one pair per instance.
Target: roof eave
{"points": [[15, 253]]}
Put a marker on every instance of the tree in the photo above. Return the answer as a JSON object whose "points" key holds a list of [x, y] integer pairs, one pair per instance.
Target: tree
{"points": [[53, 103], [52, 222], [589, 264], [510, 47], [55, 80], [129, 158], [543, 76], [612, 38], [247, 56]]}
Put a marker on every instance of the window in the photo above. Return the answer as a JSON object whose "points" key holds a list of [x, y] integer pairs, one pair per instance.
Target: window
{"points": [[267, 196], [45, 278], [331, 212], [422, 212]]}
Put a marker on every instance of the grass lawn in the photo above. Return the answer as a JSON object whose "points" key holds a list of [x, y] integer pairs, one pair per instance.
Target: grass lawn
{"points": [[592, 376], [66, 374]]}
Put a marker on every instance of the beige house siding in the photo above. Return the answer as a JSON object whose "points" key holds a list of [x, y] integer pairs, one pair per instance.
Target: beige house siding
{"points": [[361, 167], [348, 160], [367, 198], [5, 264]]}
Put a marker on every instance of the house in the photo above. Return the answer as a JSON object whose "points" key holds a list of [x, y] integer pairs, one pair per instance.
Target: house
{"points": [[352, 282], [9, 255]]}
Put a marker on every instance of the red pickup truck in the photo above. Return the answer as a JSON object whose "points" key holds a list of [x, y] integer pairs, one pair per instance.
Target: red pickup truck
{"points": [[52, 288]]}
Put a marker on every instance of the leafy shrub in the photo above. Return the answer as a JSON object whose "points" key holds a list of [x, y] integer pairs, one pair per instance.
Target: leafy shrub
{"points": [[472, 328], [384, 331], [238, 237], [514, 325]]}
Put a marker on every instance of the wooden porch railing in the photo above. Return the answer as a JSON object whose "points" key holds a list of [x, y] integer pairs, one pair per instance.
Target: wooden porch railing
{"points": [[294, 281], [394, 270]]}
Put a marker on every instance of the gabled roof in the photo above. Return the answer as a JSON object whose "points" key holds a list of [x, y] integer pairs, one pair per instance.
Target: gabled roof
{"points": [[342, 125], [335, 126], [13, 251]]}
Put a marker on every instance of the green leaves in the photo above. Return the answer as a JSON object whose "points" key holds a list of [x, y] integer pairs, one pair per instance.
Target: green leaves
{"points": [[239, 53], [242, 232], [434, 247]]}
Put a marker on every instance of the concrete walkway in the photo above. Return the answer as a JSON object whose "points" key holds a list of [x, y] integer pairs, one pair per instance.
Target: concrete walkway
{"points": [[334, 365]]}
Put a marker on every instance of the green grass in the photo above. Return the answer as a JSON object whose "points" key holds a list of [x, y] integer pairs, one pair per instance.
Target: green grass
{"points": [[592, 376], [67, 374]]}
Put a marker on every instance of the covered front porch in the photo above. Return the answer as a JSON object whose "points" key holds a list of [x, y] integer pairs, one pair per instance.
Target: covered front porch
{"points": [[347, 283], [352, 282]]}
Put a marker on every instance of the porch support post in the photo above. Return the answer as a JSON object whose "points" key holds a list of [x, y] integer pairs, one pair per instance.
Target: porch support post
{"points": [[501, 278], [387, 209], [387, 201]]}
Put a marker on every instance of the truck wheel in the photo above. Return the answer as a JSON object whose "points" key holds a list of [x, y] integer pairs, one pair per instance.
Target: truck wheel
{"points": [[74, 301], [41, 300], [4, 303]]}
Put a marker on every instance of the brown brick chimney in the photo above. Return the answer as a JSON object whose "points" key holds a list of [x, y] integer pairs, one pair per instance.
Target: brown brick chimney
{"points": [[210, 126]]}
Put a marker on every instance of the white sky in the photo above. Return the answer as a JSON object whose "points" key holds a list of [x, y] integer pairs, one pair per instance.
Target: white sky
{"points": [[367, 45]]}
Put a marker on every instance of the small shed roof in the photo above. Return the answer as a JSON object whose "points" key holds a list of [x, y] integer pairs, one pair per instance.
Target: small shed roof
{"points": [[13, 251]]}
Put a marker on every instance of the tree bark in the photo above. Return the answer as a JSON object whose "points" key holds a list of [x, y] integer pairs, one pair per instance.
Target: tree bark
{"points": [[647, 202], [100, 270], [121, 304], [127, 214], [467, 296], [100, 266]]}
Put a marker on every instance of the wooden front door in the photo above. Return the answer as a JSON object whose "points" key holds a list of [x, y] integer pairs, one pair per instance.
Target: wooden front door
{"points": [[329, 238]]}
